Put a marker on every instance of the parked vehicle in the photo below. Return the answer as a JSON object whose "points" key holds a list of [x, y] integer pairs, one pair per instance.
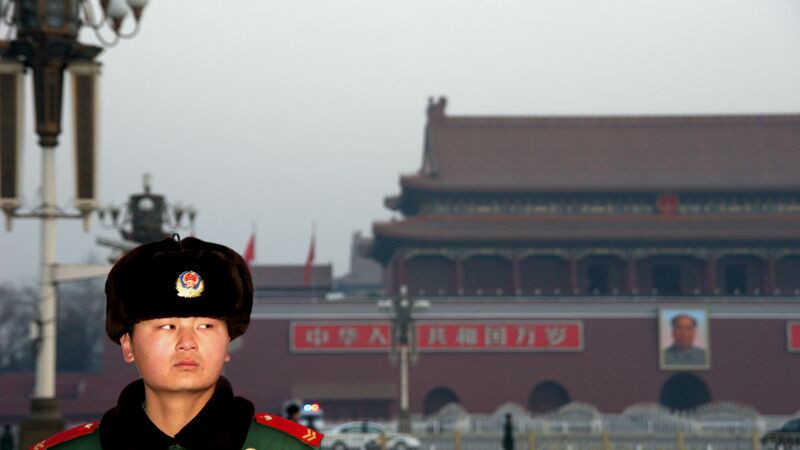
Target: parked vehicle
{"points": [[365, 435], [786, 435]]}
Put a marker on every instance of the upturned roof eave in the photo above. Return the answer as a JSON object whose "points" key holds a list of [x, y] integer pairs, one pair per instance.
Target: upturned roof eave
{"points": [[422, 184], [644, 119], [590, 228]]}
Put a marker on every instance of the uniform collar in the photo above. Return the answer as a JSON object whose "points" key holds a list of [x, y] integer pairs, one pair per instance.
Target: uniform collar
{"points": [[222, 424]]}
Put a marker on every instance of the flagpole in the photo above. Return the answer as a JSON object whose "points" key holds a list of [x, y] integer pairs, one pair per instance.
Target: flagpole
{"points": [[249, 254], [308, 269], [314, 245]]}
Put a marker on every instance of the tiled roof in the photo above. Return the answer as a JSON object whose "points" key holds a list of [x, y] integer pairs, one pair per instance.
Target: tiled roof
{"points": [[456, 228], [648, 153], [362, 269], [272, 277]]}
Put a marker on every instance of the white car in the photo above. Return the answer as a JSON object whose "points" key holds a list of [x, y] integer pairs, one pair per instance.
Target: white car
{"points": [[365, 435]]}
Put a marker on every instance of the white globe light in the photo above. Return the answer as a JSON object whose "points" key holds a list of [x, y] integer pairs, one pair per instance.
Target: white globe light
{"points": [[117, 9], [146, 204]]}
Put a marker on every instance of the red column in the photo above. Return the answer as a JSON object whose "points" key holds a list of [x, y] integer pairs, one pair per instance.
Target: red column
{"points": [[388, 277], [770, 285], [515, 265], [573, 274], [711, 274], [633, 276], [402, 280], [459, 276]]}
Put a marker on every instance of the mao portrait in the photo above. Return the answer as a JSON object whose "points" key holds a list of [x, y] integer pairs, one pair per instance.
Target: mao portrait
{"points": [[684, 339]]}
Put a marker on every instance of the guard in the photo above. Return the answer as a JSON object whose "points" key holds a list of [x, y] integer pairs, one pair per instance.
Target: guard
{"points": [[173, 306]]}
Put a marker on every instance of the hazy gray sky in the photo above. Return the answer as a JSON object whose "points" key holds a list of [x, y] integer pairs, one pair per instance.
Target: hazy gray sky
{"points": [[286, 112]]}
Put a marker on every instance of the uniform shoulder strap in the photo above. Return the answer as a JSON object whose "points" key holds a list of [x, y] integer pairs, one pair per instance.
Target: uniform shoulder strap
{"points": [[290, 427], [66, 435]]}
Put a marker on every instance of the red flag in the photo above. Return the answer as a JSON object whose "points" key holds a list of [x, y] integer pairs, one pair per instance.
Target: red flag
{"points": [[250, 250], [309, 262]]}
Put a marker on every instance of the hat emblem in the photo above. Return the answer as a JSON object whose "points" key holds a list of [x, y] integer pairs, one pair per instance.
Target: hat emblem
{"points": [[189, 285]]}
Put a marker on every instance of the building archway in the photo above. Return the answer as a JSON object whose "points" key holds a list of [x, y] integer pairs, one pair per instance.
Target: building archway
{"points": [[544, 274], [437, 398], [488, 275], [787, 275], [672, 275], [684, 391], [741, 274], [547, 396], [602, 274], [431, 275]]}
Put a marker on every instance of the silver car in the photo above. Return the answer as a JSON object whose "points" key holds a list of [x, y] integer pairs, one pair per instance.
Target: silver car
{"points": [[366, 435]]}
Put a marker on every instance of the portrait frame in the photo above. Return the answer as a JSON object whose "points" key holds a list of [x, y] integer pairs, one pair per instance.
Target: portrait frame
{"points": [[698, 356]]}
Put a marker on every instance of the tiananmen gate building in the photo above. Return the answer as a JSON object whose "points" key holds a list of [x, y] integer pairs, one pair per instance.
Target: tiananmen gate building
{"points": [[612, 261]]}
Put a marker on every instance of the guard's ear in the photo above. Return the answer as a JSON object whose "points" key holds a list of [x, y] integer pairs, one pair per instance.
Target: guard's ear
{"points": [[127, 348]]}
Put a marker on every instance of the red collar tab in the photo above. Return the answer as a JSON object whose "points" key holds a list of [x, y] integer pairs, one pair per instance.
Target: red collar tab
{"points": [[292, 428], [66, 435]]}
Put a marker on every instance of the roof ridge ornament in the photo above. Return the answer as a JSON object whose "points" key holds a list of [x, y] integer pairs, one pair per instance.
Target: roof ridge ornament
{"points": [[436, 114], [436, 109]]}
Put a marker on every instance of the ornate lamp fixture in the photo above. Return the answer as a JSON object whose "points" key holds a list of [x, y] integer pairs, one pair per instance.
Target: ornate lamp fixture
{"points": [[42, 35], [404, 342], [147, 217]]}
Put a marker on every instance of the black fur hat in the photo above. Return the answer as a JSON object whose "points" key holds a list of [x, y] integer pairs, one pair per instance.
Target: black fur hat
{"points": [[186, 278]]}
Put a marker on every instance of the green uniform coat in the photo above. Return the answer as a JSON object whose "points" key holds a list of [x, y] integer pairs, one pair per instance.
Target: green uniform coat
{"points": [[225, 423]]}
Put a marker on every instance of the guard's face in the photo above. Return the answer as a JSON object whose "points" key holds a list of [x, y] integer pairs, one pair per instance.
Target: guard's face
{"points": [[178, 354], [683, 332]]}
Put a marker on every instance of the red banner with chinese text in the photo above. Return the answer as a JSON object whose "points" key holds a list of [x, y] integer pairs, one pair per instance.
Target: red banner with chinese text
{"points": [[793, 336], [445, 336], [340, 336], [500, 336]]}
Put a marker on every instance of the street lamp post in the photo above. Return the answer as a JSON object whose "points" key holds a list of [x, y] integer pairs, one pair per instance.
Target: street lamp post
{"points": [[404, 342], [146, 217], [44, 38]]}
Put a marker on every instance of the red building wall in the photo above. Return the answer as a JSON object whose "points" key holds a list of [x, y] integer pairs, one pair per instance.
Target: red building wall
{"points": [[618, 367]]}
